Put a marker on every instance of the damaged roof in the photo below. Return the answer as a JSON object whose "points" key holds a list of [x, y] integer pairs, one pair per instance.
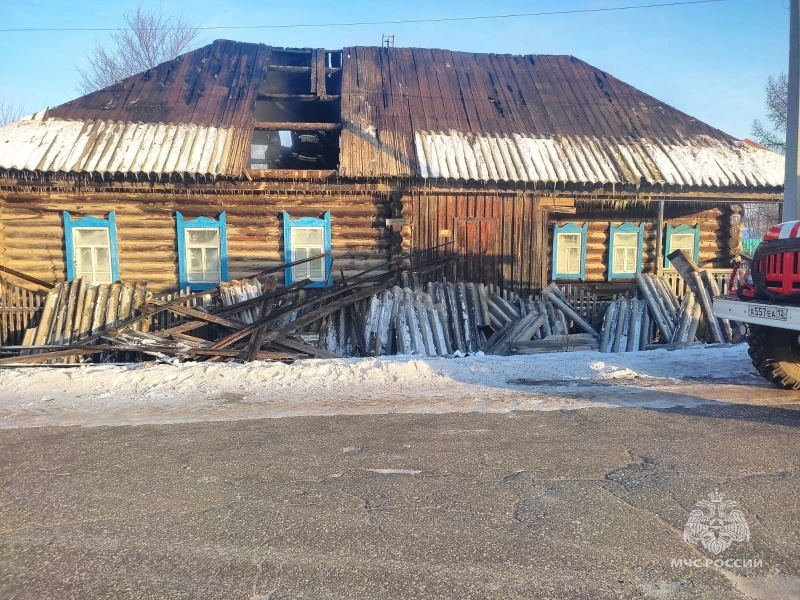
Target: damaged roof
{"points": [[215, 86], [405, 113]]}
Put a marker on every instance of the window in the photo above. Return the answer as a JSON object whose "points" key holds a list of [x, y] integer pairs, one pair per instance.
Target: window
{"points": [[569, 251], [91, 246], [625, 250], [202, 252], [682, 237], [303, 238]]}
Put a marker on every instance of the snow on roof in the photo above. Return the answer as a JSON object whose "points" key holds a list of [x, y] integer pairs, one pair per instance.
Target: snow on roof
{"points": [[701, 161], [62, 146]]}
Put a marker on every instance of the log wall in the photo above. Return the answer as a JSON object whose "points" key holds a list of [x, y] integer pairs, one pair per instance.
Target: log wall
{"points": [[33, 237], [506, 238], [715, 232]]}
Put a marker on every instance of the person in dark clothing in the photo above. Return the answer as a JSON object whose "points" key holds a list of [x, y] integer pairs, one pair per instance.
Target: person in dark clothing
{"points": [[307, 150]]}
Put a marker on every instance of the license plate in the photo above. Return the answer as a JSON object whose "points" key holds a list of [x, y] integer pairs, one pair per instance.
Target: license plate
{"points": [[774, 313]]}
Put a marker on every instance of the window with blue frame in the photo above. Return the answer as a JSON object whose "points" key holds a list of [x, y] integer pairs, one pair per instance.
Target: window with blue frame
{"points": [[625, 250], [202, 252], [682, 237], [569, 251], [91, 248], [306, 237]]}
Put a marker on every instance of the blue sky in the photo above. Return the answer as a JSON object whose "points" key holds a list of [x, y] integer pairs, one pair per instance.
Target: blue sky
{"points": [[709, 60]]}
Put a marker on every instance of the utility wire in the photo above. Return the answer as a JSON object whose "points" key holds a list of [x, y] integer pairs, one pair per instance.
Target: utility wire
{"points": [[398, 22]]}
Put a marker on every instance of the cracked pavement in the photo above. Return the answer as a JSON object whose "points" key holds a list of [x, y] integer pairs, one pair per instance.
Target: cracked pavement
{"points": [[565, 504]]}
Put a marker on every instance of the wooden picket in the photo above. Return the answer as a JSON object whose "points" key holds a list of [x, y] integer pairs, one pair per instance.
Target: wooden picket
{"points": [[19, 308]]}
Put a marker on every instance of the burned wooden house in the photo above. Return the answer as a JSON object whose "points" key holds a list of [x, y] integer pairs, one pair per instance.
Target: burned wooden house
{"points": [[238, 157]]}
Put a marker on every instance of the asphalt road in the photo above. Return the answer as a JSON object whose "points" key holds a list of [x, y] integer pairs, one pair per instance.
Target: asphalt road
{"points": [[587, 503]]}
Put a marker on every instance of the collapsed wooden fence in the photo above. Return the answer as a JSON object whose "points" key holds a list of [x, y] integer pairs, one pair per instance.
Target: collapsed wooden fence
{"points": [[372, 313]]}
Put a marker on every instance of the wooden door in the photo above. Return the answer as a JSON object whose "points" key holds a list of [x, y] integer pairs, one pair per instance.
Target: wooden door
{"points": [[478, 243]]}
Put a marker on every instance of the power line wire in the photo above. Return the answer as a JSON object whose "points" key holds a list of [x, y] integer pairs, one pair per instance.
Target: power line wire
{"points": [[398, 22]]}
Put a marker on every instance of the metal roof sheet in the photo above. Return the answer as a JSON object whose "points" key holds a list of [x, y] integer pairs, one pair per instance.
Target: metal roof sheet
{"points": [[61, 146], [390, 94], [700, 161], [215, 85]]}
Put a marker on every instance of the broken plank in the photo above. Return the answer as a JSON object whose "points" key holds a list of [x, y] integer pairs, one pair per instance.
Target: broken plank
{"points": [[185, 311], [301, 347]]}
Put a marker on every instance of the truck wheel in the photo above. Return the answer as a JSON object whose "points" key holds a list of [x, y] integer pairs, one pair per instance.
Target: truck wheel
{"points": [[776, 355]]}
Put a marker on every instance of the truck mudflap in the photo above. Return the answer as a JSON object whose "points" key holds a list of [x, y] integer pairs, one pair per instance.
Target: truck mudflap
{"points": [[782, 316]]}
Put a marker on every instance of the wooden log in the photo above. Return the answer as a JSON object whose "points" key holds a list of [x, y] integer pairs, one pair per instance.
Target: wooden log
{"points": [[292, 126], [40, 282]]}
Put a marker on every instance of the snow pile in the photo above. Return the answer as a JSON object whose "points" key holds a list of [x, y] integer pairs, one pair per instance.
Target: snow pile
{"points": [[154, 393]]}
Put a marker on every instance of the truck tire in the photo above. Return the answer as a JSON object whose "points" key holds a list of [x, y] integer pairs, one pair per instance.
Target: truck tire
{"points": [[776, 355]]}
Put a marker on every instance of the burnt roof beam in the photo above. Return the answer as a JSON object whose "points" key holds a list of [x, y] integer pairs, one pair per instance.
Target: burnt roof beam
{"points": [[295, 126]]}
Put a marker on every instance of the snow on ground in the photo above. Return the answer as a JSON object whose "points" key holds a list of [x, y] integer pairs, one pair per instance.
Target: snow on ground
{"points": [[188, 392]]}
